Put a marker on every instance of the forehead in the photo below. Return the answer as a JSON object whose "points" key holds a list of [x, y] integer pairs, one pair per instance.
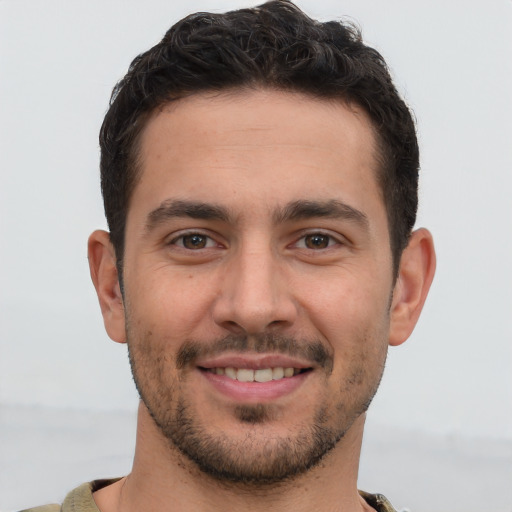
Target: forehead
{"points": [[249, 116], [279, 145]]}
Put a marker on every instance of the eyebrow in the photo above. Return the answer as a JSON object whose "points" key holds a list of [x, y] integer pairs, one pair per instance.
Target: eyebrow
{"points": [[296, 210], [172, 208], [331, 209]]}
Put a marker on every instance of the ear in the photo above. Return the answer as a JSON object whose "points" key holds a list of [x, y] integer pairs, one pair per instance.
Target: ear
{"points": [[417, 268], [102, 265]]}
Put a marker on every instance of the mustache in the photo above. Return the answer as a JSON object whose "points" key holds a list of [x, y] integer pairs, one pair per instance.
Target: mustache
{"points": [[310, 350]]}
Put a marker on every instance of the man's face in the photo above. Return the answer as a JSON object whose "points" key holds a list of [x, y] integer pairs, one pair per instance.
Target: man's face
{"points": [[257, 279]]}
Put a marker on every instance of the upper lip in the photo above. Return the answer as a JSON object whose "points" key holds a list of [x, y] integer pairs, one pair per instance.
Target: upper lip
{"points": [[253, 361]]}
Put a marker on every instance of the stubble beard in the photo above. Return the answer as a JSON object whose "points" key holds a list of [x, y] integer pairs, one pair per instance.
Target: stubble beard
{"points": [[256, 460]]}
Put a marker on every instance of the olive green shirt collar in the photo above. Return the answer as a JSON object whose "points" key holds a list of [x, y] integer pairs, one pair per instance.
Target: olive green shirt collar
{"points": [[81, 500]]}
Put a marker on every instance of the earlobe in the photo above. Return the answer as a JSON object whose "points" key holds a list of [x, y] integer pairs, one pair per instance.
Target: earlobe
{"points": [[102, 265], [417, 268]]}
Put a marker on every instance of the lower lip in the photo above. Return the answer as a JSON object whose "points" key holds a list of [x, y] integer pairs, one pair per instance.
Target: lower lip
{"points": [[255, 391]]}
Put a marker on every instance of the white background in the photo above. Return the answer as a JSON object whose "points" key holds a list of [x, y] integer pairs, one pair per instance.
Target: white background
{"points": [[452, 60]]}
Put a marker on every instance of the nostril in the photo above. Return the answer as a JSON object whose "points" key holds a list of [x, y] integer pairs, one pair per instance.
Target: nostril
{"points": [[278, 323], [247, 309], [233, 327]]}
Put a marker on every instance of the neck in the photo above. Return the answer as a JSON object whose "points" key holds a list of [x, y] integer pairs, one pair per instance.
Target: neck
{"points": [[165, 480]]}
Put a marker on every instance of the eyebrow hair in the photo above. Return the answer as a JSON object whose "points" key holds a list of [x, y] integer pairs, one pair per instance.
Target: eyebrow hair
{"points": [[172, 208], [296, 210], [307, 209]]}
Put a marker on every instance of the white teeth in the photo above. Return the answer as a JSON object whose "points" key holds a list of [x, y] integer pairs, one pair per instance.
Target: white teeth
{"points": [[262, 375], [245, 375], [230, 372], [277, 373], [288, 372]]}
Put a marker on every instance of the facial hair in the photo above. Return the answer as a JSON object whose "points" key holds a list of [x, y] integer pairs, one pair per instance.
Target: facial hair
{"points": [[259, 459]]}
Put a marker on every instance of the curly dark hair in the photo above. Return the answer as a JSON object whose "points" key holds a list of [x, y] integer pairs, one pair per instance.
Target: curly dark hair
{"points": [[276, 46]]}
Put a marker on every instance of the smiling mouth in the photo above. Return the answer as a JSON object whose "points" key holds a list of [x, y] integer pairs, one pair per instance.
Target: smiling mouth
{"points": [[260, 375]]}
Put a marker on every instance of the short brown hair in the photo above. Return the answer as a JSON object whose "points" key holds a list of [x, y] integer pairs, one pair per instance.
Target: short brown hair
{"points": [[274, 45]]}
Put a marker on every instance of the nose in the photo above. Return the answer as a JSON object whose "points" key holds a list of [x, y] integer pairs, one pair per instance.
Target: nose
{"points": [[256, 295]]}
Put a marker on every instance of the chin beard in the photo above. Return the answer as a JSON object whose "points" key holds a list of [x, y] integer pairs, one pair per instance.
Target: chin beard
{"points": [[256, 457], [255, 460]]}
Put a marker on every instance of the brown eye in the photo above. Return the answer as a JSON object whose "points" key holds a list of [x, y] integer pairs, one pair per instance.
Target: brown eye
{"points": [[317, 241], [194, 241]]}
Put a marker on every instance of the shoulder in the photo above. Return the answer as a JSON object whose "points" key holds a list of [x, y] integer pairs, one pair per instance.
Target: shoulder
{"points": [[78, 500], [81, 499], [378, 502], [45, 508]]}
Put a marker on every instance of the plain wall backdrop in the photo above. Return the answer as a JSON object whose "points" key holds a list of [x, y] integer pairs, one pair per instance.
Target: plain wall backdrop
{"points": [[453, 63]]}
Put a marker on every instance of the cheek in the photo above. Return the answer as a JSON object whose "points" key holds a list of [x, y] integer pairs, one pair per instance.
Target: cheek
{"points": [[354, 320], [346, 307], [171, 305]]}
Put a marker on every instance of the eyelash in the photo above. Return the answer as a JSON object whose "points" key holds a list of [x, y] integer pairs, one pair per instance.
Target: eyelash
{"points": [[331, 240], [209, 242]]}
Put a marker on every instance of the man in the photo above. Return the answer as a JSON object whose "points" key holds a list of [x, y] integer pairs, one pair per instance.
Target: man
{"points": [[259, 174]]}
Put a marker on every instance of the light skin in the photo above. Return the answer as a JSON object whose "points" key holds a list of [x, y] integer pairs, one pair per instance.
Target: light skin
{"points": [[256, 239]]}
